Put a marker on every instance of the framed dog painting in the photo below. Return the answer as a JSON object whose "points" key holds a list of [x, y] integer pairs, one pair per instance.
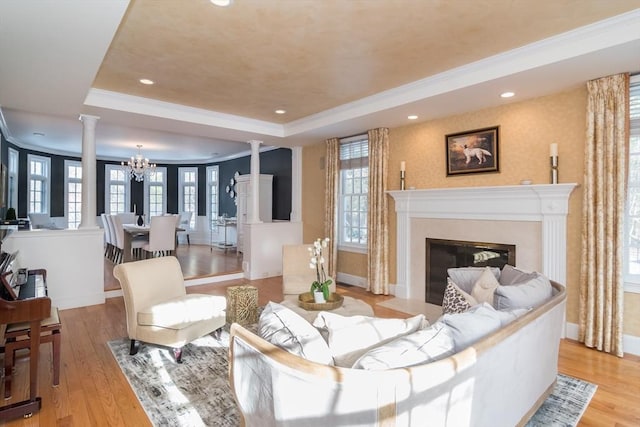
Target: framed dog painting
{"points": [[472, 151]]}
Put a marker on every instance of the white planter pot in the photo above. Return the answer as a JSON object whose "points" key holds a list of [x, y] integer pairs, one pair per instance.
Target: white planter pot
{"points": [[318, 297]]}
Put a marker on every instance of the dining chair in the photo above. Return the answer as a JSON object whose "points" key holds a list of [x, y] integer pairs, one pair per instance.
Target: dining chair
{"points": [[128, 217], [41, 220], [136, 243], [107, 236], [115, 249], [185, 223], [162, 236]]}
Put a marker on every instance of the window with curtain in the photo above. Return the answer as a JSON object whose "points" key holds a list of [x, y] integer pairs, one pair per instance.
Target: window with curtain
{"points": [[188, 195], [39, 184], [73, 193], [632, 252], [212, 193], [354, 184], [155, 193], [117, 190]]}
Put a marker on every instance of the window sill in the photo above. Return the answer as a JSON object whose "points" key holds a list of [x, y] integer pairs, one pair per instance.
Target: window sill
{"points": [[357, 249], [632, 287]]}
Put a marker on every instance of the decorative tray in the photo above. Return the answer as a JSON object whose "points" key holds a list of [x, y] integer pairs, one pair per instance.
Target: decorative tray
{"points": [[307, 302]]}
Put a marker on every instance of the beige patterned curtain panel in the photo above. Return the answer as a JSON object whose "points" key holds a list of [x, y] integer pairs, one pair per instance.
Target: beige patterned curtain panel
{"points": [[605, 176], [377, 216], [331, 204]]}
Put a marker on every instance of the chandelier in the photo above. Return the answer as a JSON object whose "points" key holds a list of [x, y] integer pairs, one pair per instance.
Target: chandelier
{"points": [[138, 167]]}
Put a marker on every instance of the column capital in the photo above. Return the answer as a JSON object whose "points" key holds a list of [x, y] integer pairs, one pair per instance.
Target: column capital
{"points": [[255, 143], [88, 118]]}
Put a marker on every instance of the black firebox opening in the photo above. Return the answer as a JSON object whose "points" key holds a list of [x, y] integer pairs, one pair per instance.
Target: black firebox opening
{"points": [[444, 254]]}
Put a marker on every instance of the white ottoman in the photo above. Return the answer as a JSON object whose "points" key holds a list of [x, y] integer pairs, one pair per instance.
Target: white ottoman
{"points": [[350, 307]]}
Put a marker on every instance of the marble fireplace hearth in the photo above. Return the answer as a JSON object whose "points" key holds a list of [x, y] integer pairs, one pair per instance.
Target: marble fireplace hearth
{"points": [[533, 217]]}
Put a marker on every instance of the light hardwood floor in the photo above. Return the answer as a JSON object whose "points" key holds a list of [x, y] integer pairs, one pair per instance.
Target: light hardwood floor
{"points": [[94, 392]]}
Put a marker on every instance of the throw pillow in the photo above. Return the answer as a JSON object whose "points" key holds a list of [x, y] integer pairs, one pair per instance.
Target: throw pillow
{"points": [[455, 299], [468, 327], [288, 330], [349, 337], [423, 346], [512, 276], [509, 316], [466, 277], [529, 294], [485, 286]]}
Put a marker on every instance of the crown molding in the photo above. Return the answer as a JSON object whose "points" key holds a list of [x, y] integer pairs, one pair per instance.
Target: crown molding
{"points": [[150, 107]]}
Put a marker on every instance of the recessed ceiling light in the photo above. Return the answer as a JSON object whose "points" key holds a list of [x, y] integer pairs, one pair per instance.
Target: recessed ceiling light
{"points": [[281, 111], [146, 81], [507, 94], [412, 117], [221, 3], [38, 134]]}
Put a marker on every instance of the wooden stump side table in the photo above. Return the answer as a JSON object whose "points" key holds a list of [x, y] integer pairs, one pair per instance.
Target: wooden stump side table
{"points": [[242, 304]]}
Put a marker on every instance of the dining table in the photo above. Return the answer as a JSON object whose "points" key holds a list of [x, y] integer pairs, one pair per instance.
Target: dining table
{"points": [[132, 231]]}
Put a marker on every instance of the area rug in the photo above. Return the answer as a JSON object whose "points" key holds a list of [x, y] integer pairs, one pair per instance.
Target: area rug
{"points": [[566, 404], [197, 392]]}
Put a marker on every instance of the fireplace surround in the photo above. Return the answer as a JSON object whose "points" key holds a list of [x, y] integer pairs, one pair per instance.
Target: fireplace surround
{"points": [[539, 211]]}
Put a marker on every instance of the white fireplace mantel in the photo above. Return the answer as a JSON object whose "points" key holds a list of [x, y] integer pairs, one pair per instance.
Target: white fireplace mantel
{"points": [[545, 203]]}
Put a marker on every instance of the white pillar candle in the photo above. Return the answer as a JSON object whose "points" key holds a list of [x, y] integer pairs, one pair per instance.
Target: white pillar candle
{"points": [[402, 166], [553, 150]]}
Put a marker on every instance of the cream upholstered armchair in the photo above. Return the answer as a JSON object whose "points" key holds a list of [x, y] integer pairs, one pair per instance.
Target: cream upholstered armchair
{"points": [[297, 276], [158, 308]]}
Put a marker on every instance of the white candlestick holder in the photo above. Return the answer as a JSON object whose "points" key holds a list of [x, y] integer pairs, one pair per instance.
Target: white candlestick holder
{"points": [[554, 169]]}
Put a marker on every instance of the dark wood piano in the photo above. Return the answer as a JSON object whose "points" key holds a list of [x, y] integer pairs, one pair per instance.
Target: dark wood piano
{"points": [[24, 299]]}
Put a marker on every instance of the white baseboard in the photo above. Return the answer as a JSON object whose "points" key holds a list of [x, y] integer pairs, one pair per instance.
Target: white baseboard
{"points": [[399, 291], [79, 301], [213, 279], [350, 279], [630, 343], [361, 282]]}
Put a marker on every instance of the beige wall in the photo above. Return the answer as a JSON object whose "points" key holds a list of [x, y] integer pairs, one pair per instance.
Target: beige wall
{"points": [[526, 130]]}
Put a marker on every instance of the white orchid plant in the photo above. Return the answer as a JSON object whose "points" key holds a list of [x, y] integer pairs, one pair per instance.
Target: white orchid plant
{"points": [[321, 284]]}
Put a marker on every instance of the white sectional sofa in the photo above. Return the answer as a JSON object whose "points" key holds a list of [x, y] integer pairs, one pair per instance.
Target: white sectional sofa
{"points": [[499, 380]]}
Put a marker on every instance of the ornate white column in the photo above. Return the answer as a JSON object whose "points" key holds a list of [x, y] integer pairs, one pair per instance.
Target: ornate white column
{"points": [[254, 183], [296, 184], [88, 210]]}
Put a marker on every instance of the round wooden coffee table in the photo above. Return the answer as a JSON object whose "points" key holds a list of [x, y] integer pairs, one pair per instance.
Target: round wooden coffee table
{"points": [[350, 307]]}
